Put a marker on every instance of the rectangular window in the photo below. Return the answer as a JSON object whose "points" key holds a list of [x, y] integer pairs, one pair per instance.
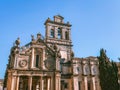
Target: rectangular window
{"points": [[52, 33], [37, 61], [67, 35], [59, 33]]}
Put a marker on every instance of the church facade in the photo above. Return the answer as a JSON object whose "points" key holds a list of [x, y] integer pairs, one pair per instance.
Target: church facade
{"points": [[49, 63]]}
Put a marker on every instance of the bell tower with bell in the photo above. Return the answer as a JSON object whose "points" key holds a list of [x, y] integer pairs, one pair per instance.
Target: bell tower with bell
{"points": [[58, 32]]}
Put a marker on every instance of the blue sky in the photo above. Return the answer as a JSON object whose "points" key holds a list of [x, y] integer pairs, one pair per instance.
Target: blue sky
{"points": [[95, 24]]}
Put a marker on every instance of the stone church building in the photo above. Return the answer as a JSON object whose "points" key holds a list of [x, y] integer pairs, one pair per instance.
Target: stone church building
{"points": [[48, 63]]}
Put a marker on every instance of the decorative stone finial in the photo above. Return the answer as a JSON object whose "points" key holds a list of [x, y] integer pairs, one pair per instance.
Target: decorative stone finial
{"points": [[38, 36], [48, 19], [32, 36], [72, 54], [17, 42], [68, 23]]}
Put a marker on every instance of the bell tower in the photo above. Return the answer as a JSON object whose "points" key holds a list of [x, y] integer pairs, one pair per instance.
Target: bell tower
{"points": [[58, 32]]}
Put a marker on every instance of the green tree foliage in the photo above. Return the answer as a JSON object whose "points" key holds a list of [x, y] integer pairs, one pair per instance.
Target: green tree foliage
{"points": [[108, 72]]}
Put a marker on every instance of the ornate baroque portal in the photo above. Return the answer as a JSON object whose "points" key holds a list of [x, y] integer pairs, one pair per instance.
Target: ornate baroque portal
{"points": [[49, 63]]}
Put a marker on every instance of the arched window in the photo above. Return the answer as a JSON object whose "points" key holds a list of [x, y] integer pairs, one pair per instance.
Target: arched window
{"points": [[67, 35], [86, 70], [37, 61], [52, 33], [59, 33], [94, 70], [38, 58]]}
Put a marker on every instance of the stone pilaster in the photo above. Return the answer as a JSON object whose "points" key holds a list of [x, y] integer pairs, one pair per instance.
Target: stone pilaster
{"points": [[47, 31], [48, 83], [32, 62], [56, 32], [86, 83], [30, 83], [93, 81], [17, 83], [13, 83], [41, 83], [43, 65], [75, 83], [9, 80], [69, 32]]}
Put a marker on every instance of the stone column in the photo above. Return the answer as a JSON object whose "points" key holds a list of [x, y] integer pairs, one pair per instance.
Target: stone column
{"points": [[47, 31], [75, 83], [32, 62], [69, 32], [41, 83], [43, 66], [93, 81], [86, 85], [57, 64], [53, 82], [30, 83], [15, 62], [13, 83], [17, 83], [48, 83], [51, 87], [56, 32], [57, 83], [63, 33], [9, 80]]}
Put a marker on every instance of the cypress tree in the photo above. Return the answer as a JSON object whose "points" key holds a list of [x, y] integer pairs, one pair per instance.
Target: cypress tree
{"points": [[108, 72]]}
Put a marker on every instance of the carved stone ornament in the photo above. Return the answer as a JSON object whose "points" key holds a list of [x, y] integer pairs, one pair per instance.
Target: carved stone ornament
{"points": [[49, 64], [22, 63]]}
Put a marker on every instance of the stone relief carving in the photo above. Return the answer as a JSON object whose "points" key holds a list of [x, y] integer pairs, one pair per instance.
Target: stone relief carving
{"points": [[49, 63], [23, 63]]}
